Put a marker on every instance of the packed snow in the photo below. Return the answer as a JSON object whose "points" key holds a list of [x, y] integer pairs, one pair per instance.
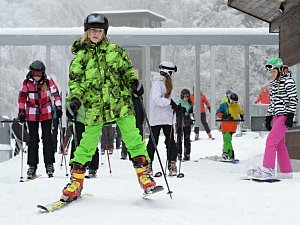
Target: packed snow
{"points": [[210, 192]]}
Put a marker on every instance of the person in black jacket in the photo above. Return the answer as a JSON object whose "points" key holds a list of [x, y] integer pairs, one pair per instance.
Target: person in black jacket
{"points": [[139, 120]]}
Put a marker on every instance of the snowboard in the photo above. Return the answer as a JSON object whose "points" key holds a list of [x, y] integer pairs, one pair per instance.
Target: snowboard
{"points": [[262, 180], [219, 159], [153, 191]]}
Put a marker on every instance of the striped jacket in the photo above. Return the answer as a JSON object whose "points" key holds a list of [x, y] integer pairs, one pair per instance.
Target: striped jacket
{"points": [[283, 95], [37, 102]]}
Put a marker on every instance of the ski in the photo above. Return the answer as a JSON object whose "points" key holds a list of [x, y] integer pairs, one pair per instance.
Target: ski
{"points": [[54, 206], [153, 191], [30, 179], [262, 180]]}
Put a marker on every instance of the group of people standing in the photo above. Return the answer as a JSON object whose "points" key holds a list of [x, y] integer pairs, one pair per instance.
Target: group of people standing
{"points": [[104, 89]]}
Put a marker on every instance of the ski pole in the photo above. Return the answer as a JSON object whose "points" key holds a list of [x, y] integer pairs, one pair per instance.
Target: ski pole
{"points": [[106, 146], [63, 147], [22, 137], [181, 175], [155, 146]]}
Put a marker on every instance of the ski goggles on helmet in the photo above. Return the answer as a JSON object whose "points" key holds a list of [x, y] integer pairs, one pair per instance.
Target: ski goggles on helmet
{"points": [[37, 73], [95, 18], [270, 67]]}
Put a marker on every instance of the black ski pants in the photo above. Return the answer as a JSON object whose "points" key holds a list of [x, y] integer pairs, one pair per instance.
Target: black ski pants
{"points": [[33, 147], [204, 124], [187, 140], [169, 141]]}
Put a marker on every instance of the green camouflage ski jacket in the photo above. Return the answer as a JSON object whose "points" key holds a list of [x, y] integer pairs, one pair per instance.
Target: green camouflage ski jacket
{"points": [[100, 76]]}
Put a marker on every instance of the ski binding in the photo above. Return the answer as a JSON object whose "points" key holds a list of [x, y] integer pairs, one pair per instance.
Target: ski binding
{"points": [[153, 191]]}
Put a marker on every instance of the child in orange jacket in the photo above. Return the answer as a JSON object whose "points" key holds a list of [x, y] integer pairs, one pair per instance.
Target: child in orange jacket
{"points": [[230, 110]]}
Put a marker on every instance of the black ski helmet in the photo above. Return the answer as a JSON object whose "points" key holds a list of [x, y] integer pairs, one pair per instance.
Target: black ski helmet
{"points": [[185, 92], [37, 65], [96, 20], [234, 97]]}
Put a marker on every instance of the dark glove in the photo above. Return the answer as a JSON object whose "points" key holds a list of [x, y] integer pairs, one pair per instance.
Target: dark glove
{"points": [[268, 122], [59, 112], [289, 120], [242, 116], [208, 109], [137, 88], [174, 106], [22, 115], [227, 117], [71, 111], [191, 110], [181, 109]]}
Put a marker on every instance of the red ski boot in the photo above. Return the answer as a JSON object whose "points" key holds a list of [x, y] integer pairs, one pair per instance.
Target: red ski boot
{"points": [[73, 189], [145, 179]]}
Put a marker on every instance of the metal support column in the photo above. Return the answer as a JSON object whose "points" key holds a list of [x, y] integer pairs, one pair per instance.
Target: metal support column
{"points": [[48, 60], [213, 86], [147, 75], [197, 87], [64, 80], [246, 100]]}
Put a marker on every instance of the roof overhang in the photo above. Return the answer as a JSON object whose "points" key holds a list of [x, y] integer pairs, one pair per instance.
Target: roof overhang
{"points": [[128, 36]]}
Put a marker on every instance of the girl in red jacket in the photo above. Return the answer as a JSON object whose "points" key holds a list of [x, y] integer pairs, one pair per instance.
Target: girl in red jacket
{"points": [[35, 108]]}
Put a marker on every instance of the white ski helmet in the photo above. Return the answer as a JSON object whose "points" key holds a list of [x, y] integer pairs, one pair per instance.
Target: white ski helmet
{"points": [[167, 68]]}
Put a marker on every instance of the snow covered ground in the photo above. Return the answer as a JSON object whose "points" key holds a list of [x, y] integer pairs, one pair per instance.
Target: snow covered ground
{"points": [[210, 192]]}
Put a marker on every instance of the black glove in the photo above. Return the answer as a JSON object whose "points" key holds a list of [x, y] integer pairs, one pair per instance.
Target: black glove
{"points": [[22, 115], [208, 109], [174, 106], [242, 116], [71, 111], [137, 88], [181, 109], [191, 110], [22, 118], [268, 122], [59, 112], [227, 117], [289, 120]]}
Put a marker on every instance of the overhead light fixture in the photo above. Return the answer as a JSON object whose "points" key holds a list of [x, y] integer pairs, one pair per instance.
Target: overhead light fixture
{"points": [[281, 8]]}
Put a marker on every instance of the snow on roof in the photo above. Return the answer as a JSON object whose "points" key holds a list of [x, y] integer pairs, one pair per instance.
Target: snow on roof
{"points": [[137, 31], [132, 12]]}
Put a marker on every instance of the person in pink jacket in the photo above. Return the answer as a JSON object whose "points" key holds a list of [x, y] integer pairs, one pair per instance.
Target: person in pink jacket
{"points": [[35, 108]]}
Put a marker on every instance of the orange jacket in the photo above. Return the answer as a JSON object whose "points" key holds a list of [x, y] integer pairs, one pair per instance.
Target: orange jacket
{"points": [[203, 100]]}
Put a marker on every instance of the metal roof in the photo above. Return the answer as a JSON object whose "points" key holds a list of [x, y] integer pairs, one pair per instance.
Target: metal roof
{"points": [[127, 36]]}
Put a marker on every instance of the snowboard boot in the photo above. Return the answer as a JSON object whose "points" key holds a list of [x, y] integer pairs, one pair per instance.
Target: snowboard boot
{"points": [[172, 168], [73, 189], [31, 172], [49, 170], [146, 180]]}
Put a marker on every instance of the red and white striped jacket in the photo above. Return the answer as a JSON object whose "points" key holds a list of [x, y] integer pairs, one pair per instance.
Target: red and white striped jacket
{"points": [[35, 98]]}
